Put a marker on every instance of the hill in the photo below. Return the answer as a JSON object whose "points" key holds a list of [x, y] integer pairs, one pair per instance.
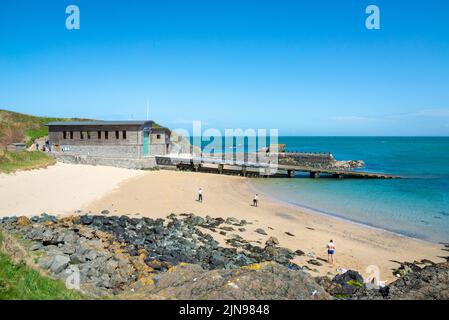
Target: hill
{"points": [[19, 127]]}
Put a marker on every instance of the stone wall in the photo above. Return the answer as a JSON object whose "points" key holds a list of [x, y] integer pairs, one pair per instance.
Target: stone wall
{"points": [[158, 149], [315, 160], [108, 151], [143, 163]]}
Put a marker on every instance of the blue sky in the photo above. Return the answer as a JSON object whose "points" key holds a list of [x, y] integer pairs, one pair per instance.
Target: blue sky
{"points": [[304, 67]]}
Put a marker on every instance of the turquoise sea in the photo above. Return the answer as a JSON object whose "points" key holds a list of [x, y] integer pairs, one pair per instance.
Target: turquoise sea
{"points": [[415, 206]]}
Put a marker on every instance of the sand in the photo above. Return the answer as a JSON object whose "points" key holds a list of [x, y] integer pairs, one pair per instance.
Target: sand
{"points": [[59, 189], [64, 188], [159, 193]]}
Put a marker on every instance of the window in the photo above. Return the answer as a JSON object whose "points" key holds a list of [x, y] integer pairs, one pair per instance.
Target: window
{"points": [[124, 134], [88, 134], [106, 135], [116, 134], [71, 134], [64, 134], [99, 135], [81, 135], [158, 136]]}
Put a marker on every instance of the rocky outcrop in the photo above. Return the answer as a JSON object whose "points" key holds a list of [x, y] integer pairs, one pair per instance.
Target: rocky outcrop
{"points": [[178, 258], [124, 256], [347, 164], [430, 282], [258, 281]]}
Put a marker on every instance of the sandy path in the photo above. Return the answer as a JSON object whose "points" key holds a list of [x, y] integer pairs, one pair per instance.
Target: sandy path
{"points": [[58, 189], [159, 193]]}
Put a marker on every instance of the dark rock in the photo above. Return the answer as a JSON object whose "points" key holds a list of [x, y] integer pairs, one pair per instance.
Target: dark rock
{"points": [[272, 241], [59, 263], [232, 220], [314, 262], [349, 275], [86, 219], [289, 234], [260, 231], [104, 212], [430, 282]]}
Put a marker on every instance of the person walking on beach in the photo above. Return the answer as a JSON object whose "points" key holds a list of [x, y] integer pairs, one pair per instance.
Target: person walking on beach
{"points": [[255, 200], [200, 195], [330, 251], [37, 146]]}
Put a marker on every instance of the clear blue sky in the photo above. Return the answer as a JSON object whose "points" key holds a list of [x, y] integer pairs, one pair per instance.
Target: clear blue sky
{"points": [[304, 67]]}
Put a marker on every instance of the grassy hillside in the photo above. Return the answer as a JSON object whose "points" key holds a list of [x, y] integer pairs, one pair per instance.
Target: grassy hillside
{"points": [[19, 127], [18, 282], [25, 160]]}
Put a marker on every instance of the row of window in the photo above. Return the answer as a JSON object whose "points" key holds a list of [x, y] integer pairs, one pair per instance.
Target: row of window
{"points": [[99, 134]]}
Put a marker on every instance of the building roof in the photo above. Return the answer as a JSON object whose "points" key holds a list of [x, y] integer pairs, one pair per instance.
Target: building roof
{"points": [[101, 123]]}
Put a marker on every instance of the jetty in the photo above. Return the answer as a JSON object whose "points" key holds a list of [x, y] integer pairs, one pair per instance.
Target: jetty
{"points": [[256, 169]]}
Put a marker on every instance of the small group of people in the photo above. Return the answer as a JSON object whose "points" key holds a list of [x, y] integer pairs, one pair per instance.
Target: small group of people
{"points": [[200, 197], [45, 147], [330, 246]]}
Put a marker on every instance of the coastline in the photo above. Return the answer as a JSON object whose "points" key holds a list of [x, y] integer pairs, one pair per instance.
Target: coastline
{"points": [[77, 189], [160, 193], [336, 216]]}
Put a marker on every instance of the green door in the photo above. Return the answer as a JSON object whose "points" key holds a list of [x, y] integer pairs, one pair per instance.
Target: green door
{"points": [[146, 145]]}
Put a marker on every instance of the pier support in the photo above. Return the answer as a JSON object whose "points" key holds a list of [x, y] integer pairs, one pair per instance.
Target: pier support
{"points": [[196, 167], [244, 171], [314, 175], [290, 173], [338, 175], [220, 168]]}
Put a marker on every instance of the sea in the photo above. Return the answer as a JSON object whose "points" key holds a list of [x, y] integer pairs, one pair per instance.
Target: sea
{"points": [[417, 205]]}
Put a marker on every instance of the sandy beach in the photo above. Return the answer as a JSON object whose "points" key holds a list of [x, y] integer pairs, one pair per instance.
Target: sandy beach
{"points": [[59, 189], [64, 188]]}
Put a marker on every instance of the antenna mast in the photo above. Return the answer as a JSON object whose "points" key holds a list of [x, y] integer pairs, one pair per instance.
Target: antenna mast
{"points": [[148, 109]]}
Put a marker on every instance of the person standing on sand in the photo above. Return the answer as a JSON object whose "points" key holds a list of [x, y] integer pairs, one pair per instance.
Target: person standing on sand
{"points": [[37, 146], [330, 251], [255, 200], [200, 195]]}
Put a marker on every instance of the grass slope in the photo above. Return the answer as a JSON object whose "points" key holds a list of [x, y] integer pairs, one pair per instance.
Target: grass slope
{"points": [[19, 282], [24, 160], [28, 126]]}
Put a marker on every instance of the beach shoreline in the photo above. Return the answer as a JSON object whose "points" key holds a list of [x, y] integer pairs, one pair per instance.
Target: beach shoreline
{"points": [[330, 215], [79, 189], [358, 246]]}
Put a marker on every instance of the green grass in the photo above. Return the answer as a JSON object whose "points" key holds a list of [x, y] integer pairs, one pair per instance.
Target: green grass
{"points": [[30, 127], [31, 135], [354, 283], [23, 160], [341, 296], [19, 282]]}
